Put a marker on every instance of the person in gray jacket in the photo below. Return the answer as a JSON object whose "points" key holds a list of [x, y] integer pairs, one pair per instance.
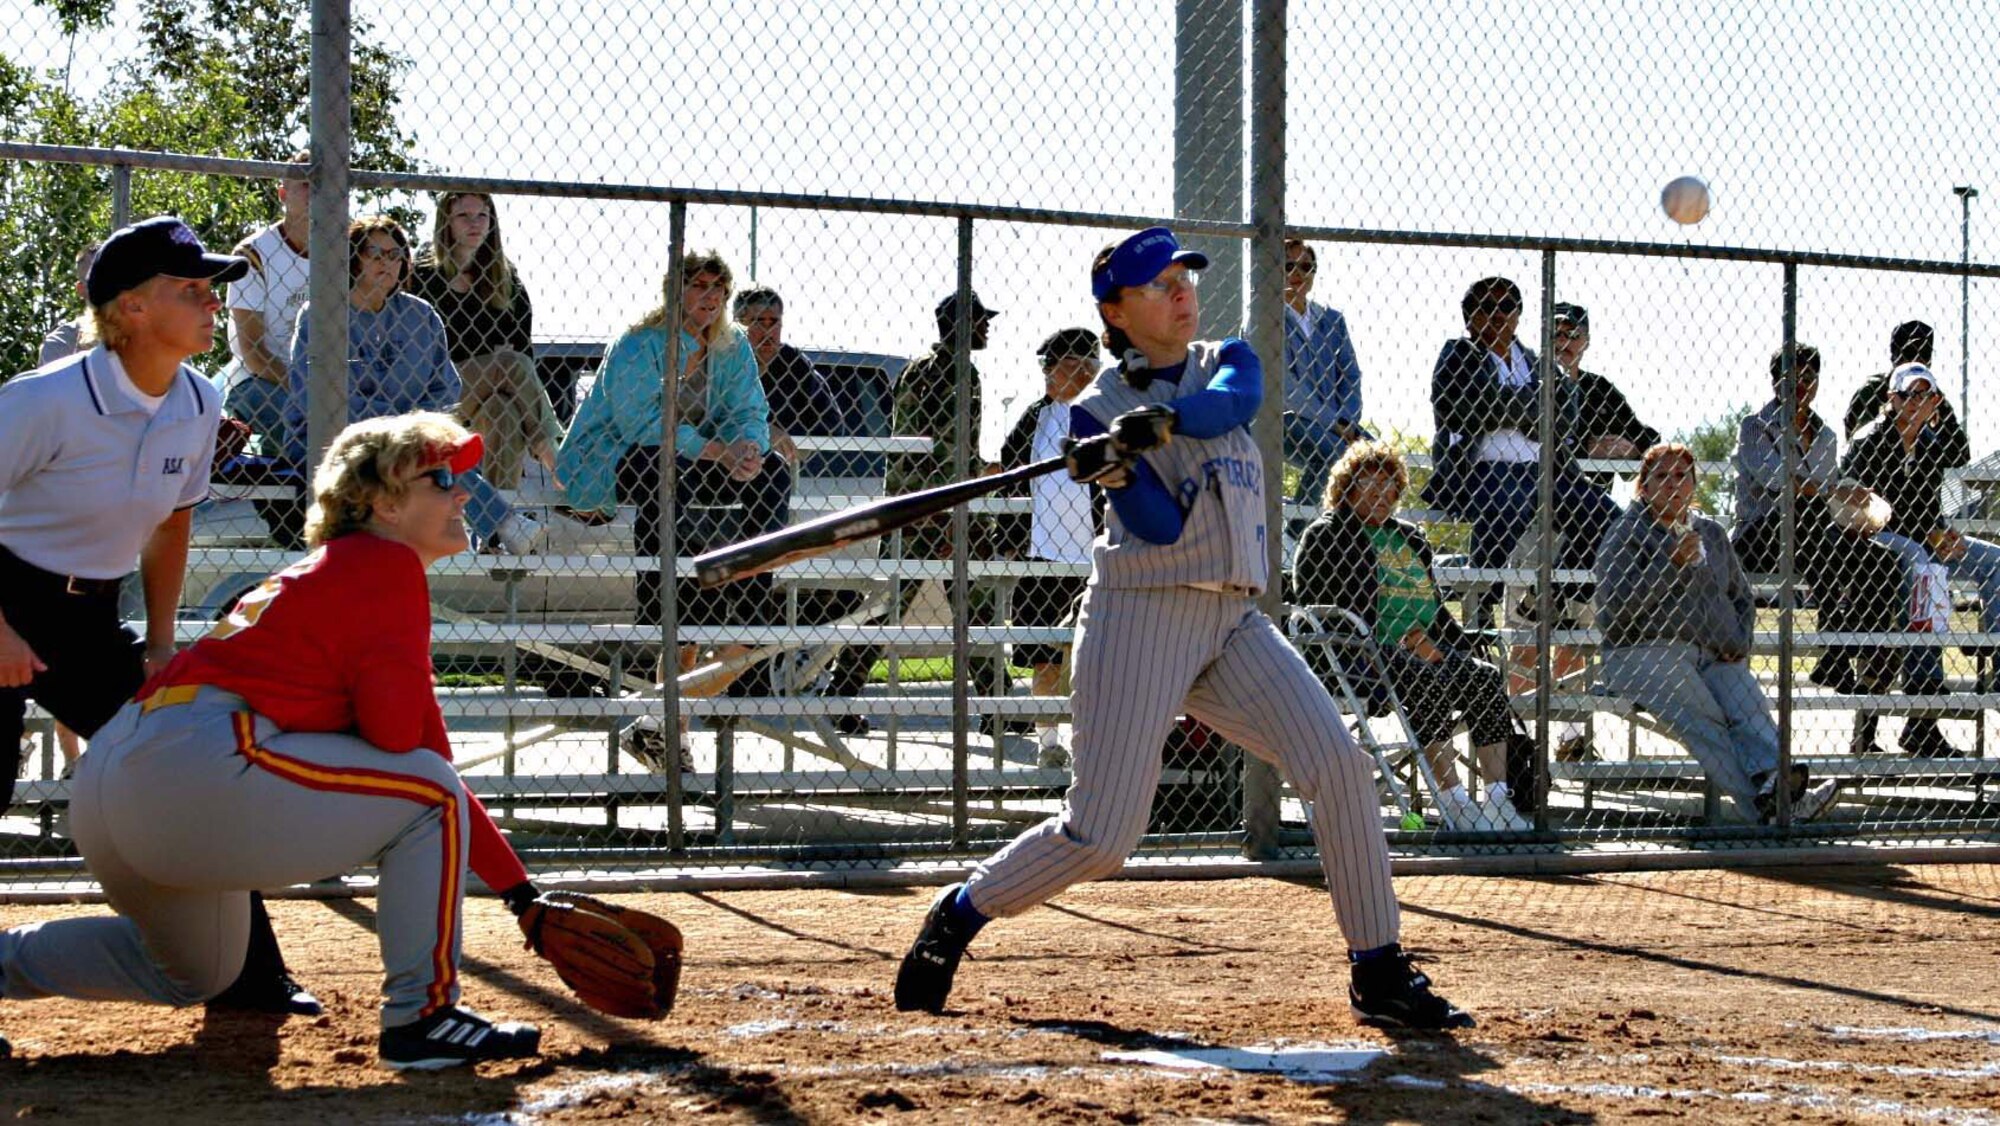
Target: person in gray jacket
{"points": [[1676, 610]]}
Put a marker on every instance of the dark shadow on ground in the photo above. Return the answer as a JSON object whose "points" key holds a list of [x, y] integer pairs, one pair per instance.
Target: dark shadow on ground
{"points": [[1426, 1077]]}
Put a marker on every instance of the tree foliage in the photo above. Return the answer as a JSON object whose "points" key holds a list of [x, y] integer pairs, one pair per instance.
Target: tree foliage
{"points": [[213, 77]]}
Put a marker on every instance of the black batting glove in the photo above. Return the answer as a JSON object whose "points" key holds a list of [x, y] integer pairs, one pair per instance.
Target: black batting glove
{"points": [[1144, 428], [1097, 460]]}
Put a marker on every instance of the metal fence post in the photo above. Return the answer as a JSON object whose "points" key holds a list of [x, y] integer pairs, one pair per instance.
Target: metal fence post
{"points": [[669, 480], [961, 541], [1267, 336], [1788, 534], [332, 147], [121, 195], [1545, 538], [1208, 145]]}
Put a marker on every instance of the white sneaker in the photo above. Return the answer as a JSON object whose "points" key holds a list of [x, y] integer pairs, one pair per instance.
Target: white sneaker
{"points": [[1053, 756], [1815, 801], [1461, 814], [1501, 815], [518, 534]]}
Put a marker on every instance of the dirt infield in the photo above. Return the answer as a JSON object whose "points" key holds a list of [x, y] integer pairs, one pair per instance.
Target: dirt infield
{"points": [[1824, 995]]}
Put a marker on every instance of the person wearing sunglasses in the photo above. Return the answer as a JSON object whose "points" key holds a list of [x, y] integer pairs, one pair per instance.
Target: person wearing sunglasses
{"points": [[1170, 625], [299, 739], [1486, 399], [1322, 379], [1903, 456]]}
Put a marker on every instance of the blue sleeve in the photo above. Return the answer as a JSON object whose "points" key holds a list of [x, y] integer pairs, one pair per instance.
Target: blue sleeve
{"points": [[444, 388], [1146, 507], [1231, 398], [745, 412]]}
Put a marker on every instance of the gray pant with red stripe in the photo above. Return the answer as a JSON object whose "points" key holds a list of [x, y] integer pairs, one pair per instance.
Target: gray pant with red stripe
{"points": [[180, 810], [1143, 657]]}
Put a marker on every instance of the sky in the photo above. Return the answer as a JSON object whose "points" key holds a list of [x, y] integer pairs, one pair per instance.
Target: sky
{"points": [[1828, 126]]}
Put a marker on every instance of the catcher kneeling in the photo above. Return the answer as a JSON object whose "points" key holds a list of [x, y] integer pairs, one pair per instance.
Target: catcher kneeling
{"points": [[302, 738]]}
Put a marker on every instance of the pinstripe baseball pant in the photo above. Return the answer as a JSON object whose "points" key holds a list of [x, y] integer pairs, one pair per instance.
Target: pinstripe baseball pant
{"points": [[182, 806], [1144, 656]]}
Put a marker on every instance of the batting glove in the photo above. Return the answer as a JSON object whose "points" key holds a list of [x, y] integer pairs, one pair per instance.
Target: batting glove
{"points": [[1097, 460], [1145, 428]]}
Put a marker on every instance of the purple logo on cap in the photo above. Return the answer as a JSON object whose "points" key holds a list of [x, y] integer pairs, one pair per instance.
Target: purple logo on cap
{"points": [[184, 235]]}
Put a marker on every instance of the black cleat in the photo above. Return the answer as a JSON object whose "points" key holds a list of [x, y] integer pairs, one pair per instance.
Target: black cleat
{"points": [[1390, 992], [280, 996], [452, 1037], [924, 979]]}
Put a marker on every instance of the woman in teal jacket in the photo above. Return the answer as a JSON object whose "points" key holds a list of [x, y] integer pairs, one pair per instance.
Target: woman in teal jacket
{"points": [[722, 443]]}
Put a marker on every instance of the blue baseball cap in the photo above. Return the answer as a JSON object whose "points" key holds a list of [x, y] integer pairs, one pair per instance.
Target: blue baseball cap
{"points": [[162, 245], [1140, 258]]}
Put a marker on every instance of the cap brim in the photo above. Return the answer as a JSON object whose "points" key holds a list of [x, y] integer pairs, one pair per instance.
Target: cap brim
{"points": [[1192, 259], [216, 267], [467, 455]]}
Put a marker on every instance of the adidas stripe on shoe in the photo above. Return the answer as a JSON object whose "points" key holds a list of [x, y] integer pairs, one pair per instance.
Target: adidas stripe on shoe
{"points": [[452, 1037]]}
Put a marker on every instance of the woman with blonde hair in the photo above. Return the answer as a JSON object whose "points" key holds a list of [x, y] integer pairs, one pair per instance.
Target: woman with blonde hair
{"points": [[722, 445], [1357, 556], [489, 326], [301, 738]]}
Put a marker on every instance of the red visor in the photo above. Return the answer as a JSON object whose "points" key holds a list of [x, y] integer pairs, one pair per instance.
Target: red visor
{"points": [[462, 457]]}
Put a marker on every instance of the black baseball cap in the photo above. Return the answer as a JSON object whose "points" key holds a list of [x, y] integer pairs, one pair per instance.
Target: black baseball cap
{"points": [[947, 309], [156, 247], [1066, 342], [1574, 314]]}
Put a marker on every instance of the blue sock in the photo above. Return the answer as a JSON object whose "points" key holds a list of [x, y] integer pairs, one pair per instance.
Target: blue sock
{"points": [[965, 918], [1359, 956]]}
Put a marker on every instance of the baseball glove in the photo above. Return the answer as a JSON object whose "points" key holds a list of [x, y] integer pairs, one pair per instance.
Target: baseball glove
{"points": [[619, 960]]}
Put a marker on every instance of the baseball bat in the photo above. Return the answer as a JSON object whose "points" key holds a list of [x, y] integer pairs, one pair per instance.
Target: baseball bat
{"points": [[838, 529]]}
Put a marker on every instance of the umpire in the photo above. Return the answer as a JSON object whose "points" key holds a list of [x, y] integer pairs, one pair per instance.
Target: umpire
{"points": [[103, 456]]}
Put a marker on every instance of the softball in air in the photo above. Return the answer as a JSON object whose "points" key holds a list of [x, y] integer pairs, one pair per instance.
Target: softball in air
{"points": [[1685, 200]]}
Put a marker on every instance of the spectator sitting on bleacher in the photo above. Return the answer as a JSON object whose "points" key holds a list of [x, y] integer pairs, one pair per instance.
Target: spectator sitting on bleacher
{"points": [[722, 452], [263, 312], [1062, 520], [1677, 614], [397, 363], [1855, 582], [489, 329], [1486, 399], [926, 405], [1322, 378], [1358, 556], [66, 339], [1909, 343], [800, 401], [1903, 456]]}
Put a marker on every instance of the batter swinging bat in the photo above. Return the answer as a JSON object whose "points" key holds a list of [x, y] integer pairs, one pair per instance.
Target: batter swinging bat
{"points": [[838, 529]]}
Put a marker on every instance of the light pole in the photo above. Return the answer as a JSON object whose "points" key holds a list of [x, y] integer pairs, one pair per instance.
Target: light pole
{"points": [[1965, 193]]}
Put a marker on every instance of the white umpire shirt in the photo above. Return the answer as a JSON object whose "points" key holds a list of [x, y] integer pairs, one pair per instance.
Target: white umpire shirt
{"points": [[89, 468]]}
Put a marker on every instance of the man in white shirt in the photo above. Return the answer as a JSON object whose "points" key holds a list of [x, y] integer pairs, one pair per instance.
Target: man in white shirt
{"points": [[264, 312], [1063, 521]]}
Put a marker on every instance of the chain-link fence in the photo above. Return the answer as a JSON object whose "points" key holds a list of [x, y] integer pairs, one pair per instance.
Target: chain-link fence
{"points": [[823, 254]]}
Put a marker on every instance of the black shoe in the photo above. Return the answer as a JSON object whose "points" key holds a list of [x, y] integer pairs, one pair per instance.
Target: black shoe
{"points": [[989, 724], [851, 725], [924, 979], [1767, 791], [1836, 673], [453, 1036], [1933, 745], [6, 1049], [1390, 992], [282, 996]]}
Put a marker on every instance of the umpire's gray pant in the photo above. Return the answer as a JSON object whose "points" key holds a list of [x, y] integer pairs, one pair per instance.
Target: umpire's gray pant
{"points": [[1141, 658], [188, 801]]}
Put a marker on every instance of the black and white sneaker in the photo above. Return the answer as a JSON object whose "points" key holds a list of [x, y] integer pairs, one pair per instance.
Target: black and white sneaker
{"points": [[1390, 992], [924, 979], [453, 1036]]}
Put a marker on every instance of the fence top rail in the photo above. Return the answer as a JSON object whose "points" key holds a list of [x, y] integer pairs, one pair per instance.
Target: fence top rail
{"points": [[433, 182]]}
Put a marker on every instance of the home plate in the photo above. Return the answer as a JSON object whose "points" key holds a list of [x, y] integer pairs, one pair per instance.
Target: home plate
{"points": [[1310, 1063]]}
